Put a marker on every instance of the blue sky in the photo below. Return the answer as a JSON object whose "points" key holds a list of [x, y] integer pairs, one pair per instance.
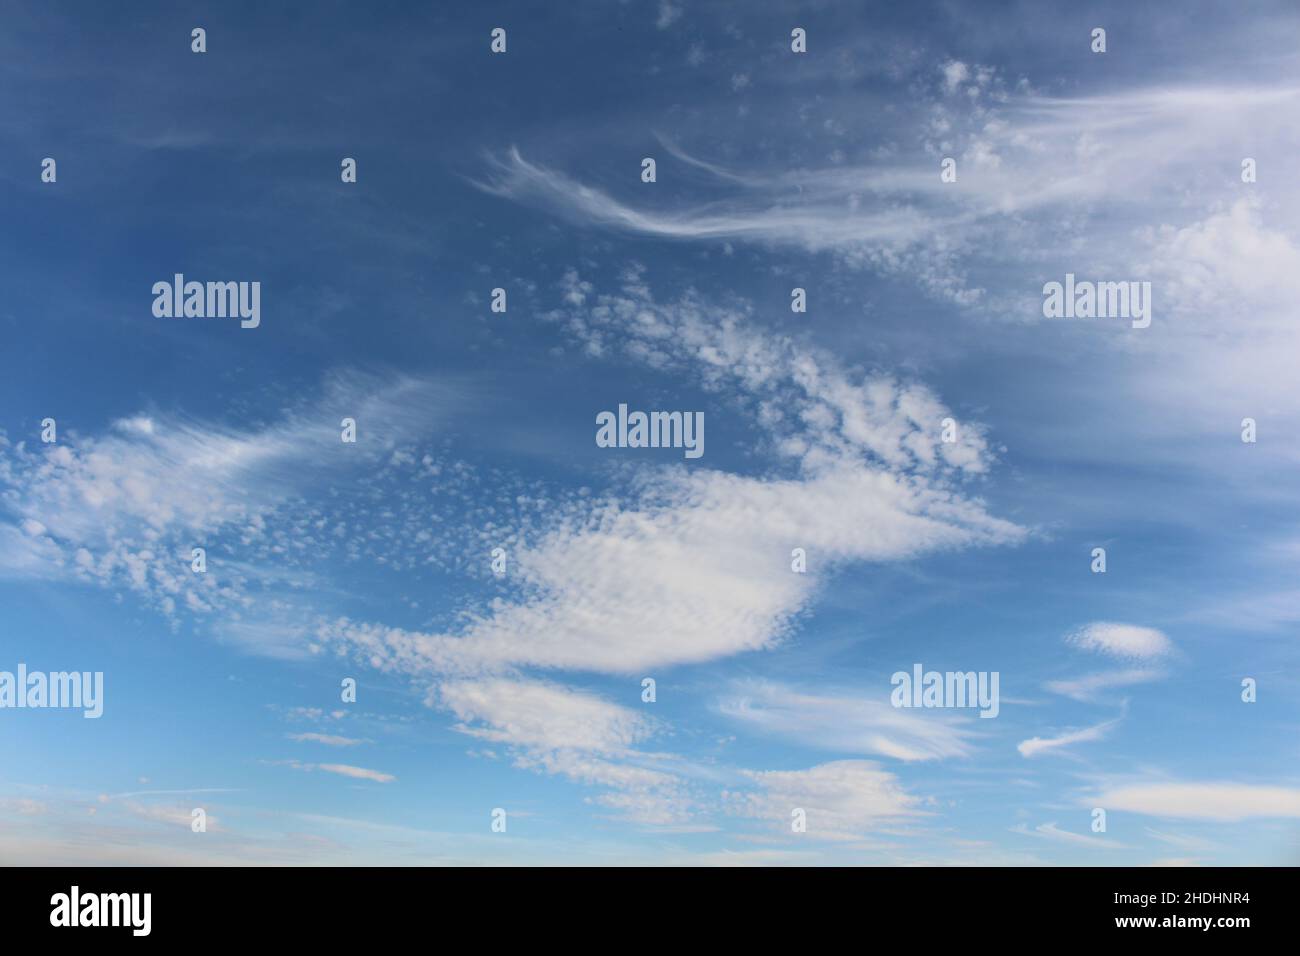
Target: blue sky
{"points": [[523, 690]]}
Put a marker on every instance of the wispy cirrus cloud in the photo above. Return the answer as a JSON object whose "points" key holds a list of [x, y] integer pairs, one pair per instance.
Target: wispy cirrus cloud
{"points": [[1050, 831], [342, 770], [848, 724], [846, 800], [1221, 801], [330, 740], [1035, 746], [357, 773], [1091, 686], [1025, 161]]}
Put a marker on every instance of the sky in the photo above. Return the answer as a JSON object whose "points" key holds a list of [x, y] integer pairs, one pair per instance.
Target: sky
{"points": [[914, 472]]}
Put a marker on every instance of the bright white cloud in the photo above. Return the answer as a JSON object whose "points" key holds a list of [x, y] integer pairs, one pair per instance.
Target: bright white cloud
{"points": [[1035, 746], [847, 724], [1026, 162], [576, 734], [843, 800], [1218, 801], [126, 508], [542, 715], [684, 571], [358, 773], [1122, 640]]}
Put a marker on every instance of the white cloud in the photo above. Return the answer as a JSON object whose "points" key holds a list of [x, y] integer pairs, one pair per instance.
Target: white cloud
{"points": [[25, 806], [1051, 831], [358, 773], [690, 578], [814, 408], [176, 816], [542, 715], [1089, 687], [669, 13], [682, 572], [848, 724], [897, 238], [139, 425], [1028, 164], [1183, 842], [843, 800], [1035, 746], [331, 740], [1218, 801], [1229, 269], [1125, 641], [26, 555], [955, 73], [576, 734], [1122, 640], [124, 509], [679, 571]]}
